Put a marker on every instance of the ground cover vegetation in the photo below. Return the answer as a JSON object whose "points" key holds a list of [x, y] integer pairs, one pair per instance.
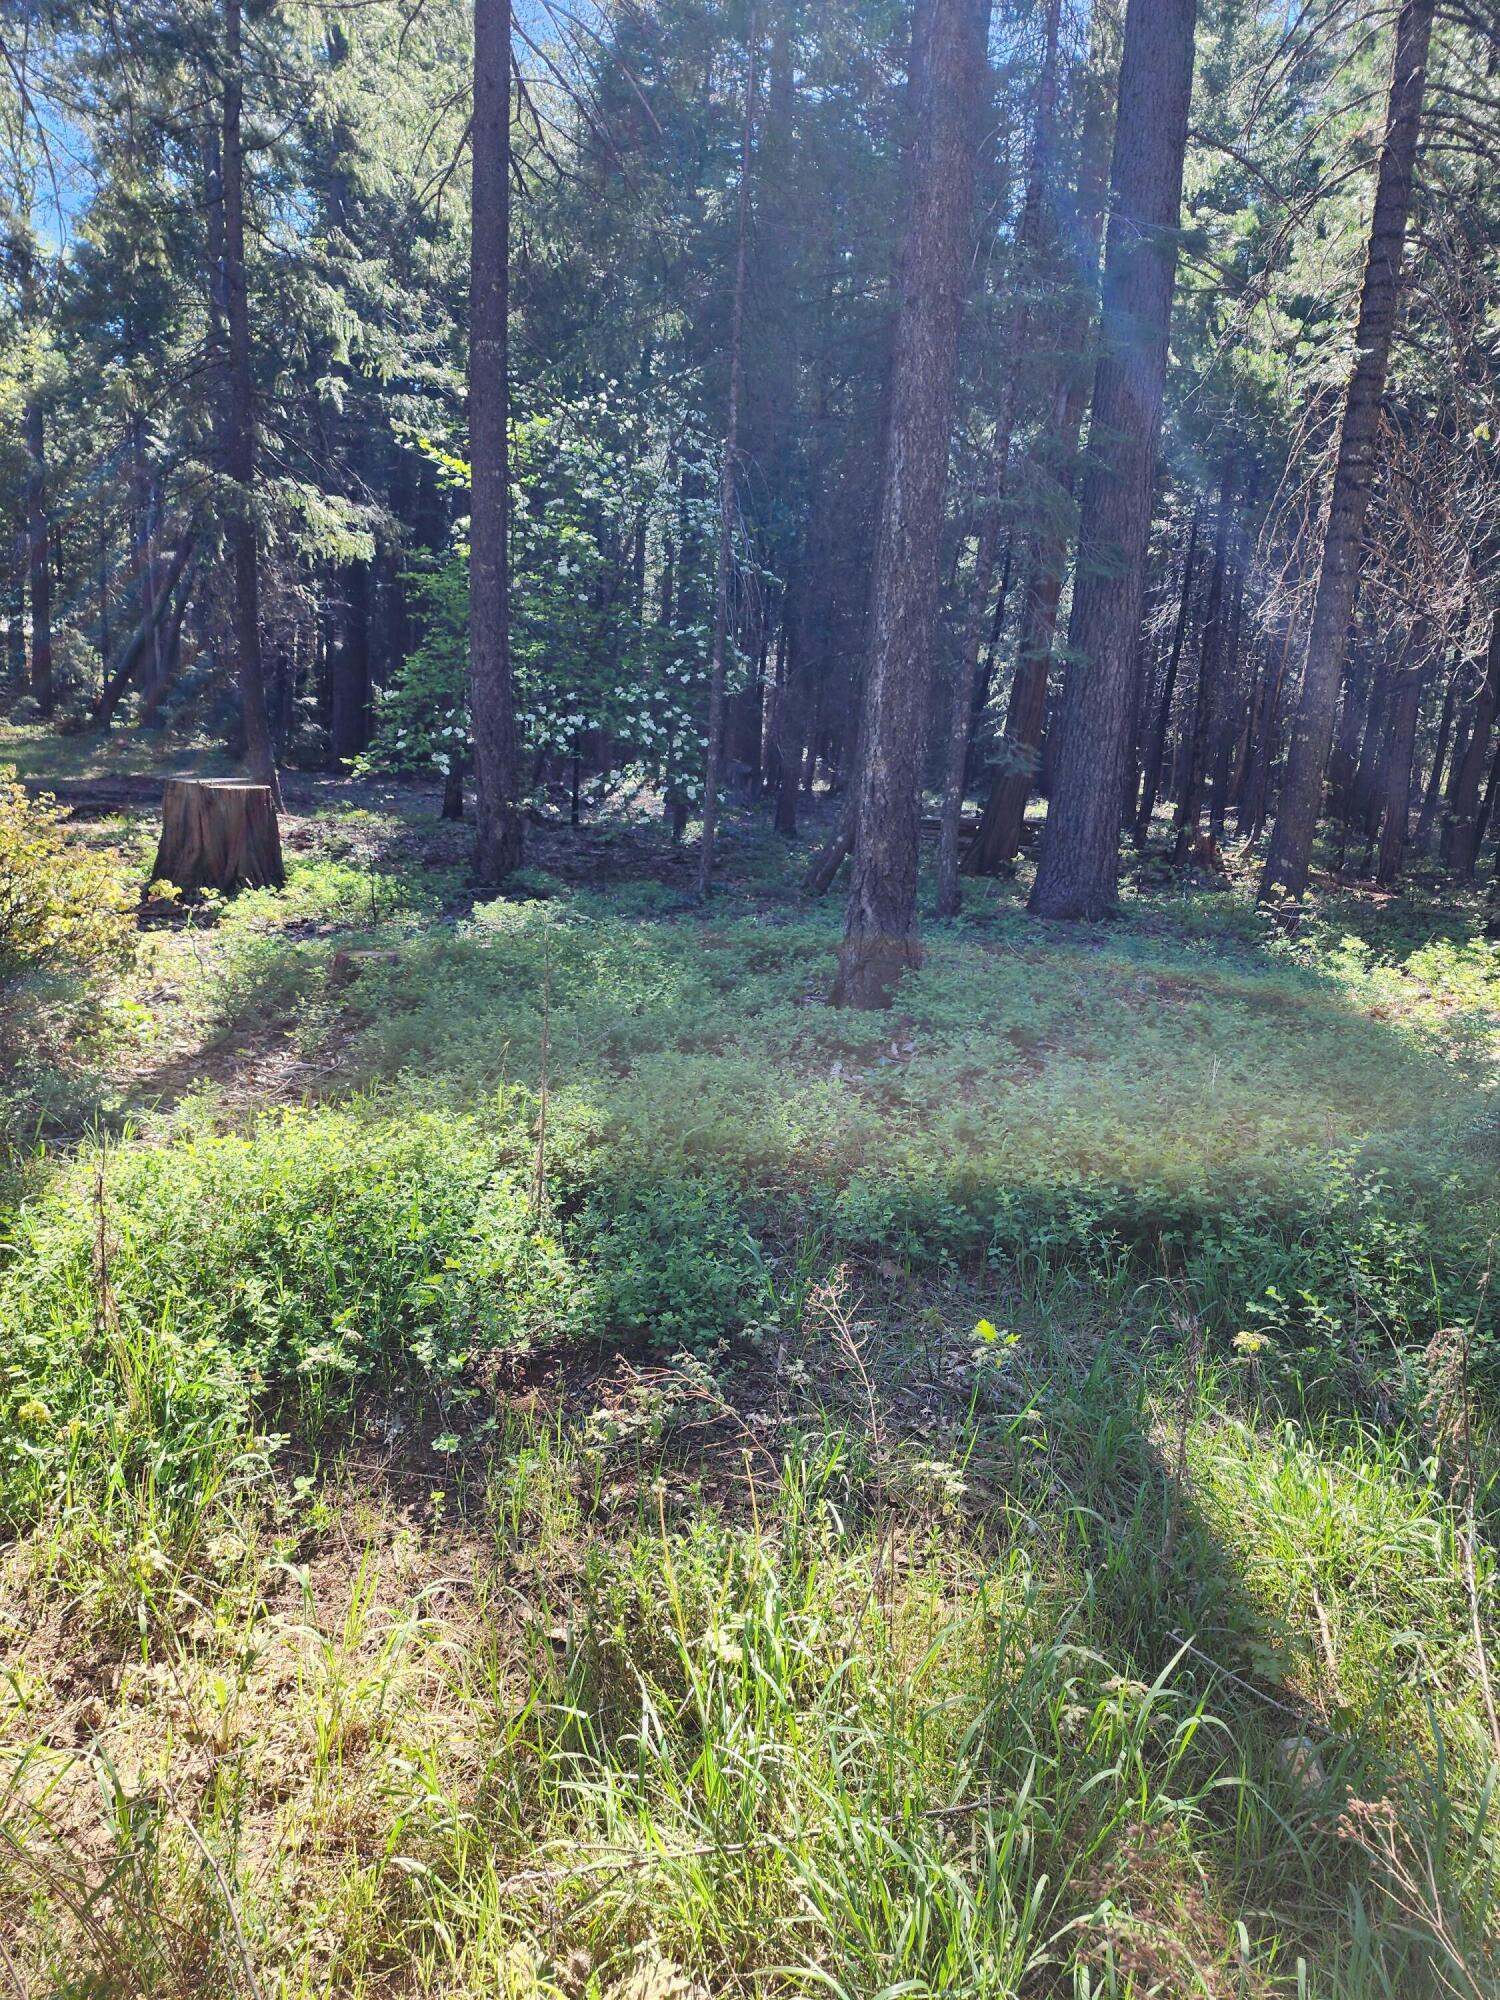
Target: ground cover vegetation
{"points": [[761, 1259]]}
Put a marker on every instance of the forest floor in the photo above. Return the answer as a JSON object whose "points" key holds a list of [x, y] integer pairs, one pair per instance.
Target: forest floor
{"points": [[540, 1459]]}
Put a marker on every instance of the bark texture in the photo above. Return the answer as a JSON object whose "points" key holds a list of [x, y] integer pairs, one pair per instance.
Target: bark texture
{"points": [[239, 439], [218, 834], [498, 823], [1078, 870], [728, 480], [880, 931], [39, 542], [1290, 854], [1156, 750], [1017, 336], [1460, 846]]}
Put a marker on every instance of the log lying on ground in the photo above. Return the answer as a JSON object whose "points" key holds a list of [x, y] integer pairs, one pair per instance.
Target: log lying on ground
{"points": [[217, 833]]}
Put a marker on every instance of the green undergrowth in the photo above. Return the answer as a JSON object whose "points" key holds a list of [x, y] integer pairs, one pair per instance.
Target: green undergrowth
{"points": [[504, 1490]]}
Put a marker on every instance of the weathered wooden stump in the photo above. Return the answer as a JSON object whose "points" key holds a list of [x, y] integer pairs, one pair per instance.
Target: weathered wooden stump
{"points": [[217, 833]]}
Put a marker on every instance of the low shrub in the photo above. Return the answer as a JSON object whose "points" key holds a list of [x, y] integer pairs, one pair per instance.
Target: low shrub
{"points": [[65, 928]]}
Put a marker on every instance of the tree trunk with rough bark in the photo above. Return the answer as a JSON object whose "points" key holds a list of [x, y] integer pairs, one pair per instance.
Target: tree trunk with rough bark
{"points": [[1290, 855], [880, 930], [1078, 870], [1210, 668], [1017, 334], [1156, 753], [1405, 701], [728, 480], [39, 541], [219, 834], [498, 821], [1460, 848], [997, 839], [1427, 818], [239, 438]]}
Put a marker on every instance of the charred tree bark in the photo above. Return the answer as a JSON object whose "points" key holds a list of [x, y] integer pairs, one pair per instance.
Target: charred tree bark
{"points": [[1290, 854], [498, 820], [239, 434], [1078, 871], [880, 930]]}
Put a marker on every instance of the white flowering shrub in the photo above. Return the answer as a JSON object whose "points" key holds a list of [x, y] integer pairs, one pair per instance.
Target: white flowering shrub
{"points": [[614, 525]]}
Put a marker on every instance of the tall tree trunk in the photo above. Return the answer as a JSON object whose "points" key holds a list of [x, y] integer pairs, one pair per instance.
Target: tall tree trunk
{"points": [[1016, 338], [1257, 792], [997, 840], [349, 669], [39, 542], [143, 645], [15, 620], [1210, 667], [1405, 701], [239, 435], [880, 930], [1078, 870], [1460, 848], [729, 478], [498, 823], [1156, 754], [1427, 818], [1290, 854]]}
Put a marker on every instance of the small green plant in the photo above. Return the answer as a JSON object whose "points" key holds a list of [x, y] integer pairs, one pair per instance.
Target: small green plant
{"points": [[65, 927]]}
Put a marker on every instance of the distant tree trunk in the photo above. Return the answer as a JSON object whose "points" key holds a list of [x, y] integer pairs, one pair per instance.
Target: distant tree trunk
{"points": [[39, 538], [143, 644], [1015, 340], [15, 627], [1367, 791], [1460, 850], [1257, 792], [729, 478], [984, 680], [239, 438], [1210, 668], [453, 786], [997, 839], [1232, 721], [498, 822], [1078, 870], [349, 670], [171, 658], [1486, 817], [1290, 854], [1427, 818], [880, 931], [1405, 701]]}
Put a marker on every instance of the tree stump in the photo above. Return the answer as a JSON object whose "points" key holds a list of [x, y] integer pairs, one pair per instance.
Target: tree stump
{"points": [[217, 833]]}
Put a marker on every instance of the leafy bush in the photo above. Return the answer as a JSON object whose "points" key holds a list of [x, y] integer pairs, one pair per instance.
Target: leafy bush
{"points": [[65, 925], [675, 1262]]}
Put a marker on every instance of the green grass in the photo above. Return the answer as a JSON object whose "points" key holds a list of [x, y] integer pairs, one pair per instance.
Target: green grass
{"points": [[455, 1549]]}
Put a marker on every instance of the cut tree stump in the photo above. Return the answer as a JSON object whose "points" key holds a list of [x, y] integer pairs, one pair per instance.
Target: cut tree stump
{"points": [[217, 833]]}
